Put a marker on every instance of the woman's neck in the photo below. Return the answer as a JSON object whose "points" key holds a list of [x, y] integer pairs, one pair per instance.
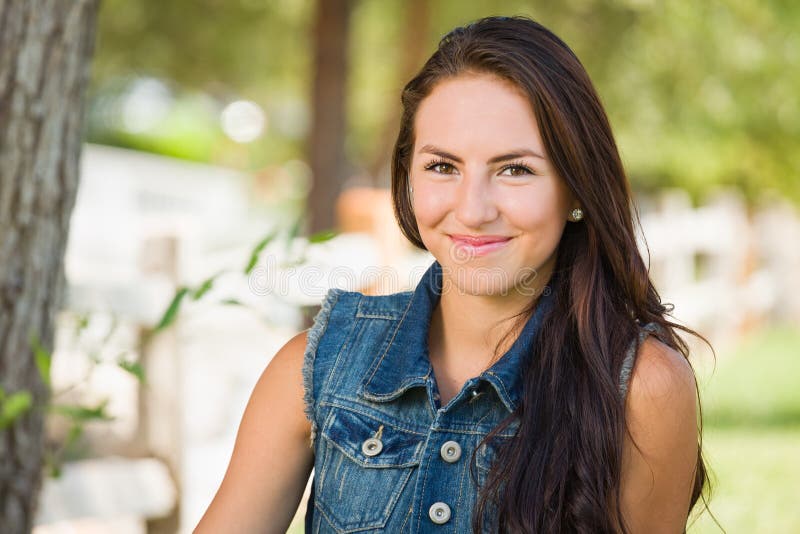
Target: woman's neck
{"points": [[466, 329]]}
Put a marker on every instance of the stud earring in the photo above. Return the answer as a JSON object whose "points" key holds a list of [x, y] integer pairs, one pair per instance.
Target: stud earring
{"points": [[577, 214]]}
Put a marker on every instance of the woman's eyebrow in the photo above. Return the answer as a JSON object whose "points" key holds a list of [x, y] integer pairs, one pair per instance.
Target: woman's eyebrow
{"points": [[515, 154]]}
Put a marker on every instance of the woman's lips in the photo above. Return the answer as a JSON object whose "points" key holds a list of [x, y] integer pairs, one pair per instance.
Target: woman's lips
{"points": [[479, 245]]}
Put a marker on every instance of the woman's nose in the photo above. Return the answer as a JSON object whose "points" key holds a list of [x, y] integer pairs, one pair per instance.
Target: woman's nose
{"points": [[474, 204]]}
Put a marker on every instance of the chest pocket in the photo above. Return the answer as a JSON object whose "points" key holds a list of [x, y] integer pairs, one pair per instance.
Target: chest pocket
{"points": [[366, 465]]}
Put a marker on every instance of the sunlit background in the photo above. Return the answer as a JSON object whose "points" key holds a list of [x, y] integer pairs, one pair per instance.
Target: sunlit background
{"points": [[237, 166]]}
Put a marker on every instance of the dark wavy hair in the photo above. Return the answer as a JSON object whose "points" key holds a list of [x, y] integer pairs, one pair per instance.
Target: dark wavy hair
{"points": [[562, 471]]}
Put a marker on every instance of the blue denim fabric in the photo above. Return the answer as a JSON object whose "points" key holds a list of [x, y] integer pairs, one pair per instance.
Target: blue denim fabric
{"points": [[367, 374]]}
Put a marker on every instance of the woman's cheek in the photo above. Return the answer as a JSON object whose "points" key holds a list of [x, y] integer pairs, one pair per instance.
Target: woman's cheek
{"points": [[430, 205]]}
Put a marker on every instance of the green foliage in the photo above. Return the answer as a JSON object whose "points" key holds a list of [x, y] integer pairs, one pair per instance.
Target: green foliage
{"points": [[54, 458], [189, 130], [82, 414], [172, 309], [207, 44], [78, 417], [322, 236], [13, 406], [205, 286], [700, 93], [134, 368], [254, 255], [42, 357]]}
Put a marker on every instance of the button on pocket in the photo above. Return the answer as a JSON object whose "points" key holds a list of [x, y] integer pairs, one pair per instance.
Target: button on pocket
{"points": [[366, 465], [372, 447]]}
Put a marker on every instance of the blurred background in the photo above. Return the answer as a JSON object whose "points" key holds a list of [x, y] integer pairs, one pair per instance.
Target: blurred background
{"points": [[236, 166]]}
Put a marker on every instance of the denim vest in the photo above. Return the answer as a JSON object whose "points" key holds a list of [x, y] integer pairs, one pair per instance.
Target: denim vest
{"points": [[387, 456]]}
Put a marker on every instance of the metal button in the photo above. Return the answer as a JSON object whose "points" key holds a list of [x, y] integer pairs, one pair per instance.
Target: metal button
{"points": [[439, 513], [372, 446], [450, 451]]}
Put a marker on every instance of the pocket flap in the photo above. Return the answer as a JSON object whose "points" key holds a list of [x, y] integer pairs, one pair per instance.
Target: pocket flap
{"points": [[348, 430]]}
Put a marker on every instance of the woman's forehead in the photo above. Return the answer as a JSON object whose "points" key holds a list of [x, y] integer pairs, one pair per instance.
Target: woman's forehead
{"points": [[476, 113]]}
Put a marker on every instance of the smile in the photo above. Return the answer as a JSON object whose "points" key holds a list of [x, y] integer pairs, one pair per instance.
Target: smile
{"points": [[479, 245]]}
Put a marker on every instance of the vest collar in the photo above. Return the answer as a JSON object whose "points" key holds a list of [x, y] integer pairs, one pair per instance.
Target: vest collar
{"points": [[405, 363]]}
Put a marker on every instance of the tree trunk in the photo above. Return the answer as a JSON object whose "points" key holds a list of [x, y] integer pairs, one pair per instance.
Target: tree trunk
{"points": [[414, 45], [329, 110], [45, 50]]}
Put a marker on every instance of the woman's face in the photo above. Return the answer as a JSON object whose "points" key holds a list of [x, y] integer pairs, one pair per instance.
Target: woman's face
{"points": [[488, 203]]}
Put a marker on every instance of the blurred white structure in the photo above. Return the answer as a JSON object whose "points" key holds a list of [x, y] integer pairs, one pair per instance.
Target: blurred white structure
{"points": [[724, 269]]}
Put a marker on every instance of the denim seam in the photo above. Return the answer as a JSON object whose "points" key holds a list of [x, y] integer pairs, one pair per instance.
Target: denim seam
{"points": [[394, 334], [413, 463], [463, 469], [511, 403], [423, 472], [391, 421], [324, 471], [407, 517], [314, 335], [335, 377], [362, 315], [373, 366]]}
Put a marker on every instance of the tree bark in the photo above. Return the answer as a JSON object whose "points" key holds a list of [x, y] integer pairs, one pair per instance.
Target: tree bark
{"points": [[329, 110], [414, 45], [45, 51]]}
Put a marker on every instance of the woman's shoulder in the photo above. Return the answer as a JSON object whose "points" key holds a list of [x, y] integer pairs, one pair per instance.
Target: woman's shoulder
{"points": [[661, 445], [661, 380]]}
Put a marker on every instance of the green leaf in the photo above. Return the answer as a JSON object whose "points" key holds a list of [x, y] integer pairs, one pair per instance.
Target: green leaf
{"points": [[53, 464], [134, 368], [231, 302], [75, 431], [251, 263], [14, 406], [321, 237], [172, 310], [294, 231], [204, 287], [81, 322], [79, 414], [42, 357]]}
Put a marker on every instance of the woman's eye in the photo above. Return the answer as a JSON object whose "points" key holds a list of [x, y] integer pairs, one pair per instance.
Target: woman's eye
{"points": [[516, 170], [441, 168]]}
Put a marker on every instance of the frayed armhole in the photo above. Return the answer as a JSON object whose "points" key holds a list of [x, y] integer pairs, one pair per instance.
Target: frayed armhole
{"points": [[630, 355], [315, 333]]}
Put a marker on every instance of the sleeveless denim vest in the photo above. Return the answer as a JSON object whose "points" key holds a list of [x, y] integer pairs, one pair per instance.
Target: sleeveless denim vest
{"points": [[387, 456]]}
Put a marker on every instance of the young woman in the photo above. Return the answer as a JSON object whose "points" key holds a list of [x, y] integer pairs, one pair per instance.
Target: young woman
{"points": [[517, 388]]}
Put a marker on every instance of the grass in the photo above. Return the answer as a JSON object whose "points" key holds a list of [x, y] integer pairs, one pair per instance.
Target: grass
{"points": [[757, 385], [751, 412], [755, 481]]}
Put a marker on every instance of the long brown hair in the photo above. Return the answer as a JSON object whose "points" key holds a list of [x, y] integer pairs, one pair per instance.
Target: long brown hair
{"points": [[562, 471]]}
